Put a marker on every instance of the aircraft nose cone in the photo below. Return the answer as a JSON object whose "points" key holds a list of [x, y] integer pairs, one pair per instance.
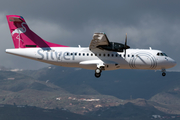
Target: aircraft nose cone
{"points": [[172, 62]]}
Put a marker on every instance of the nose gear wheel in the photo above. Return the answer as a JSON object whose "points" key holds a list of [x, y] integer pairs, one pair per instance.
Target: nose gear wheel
{"points": [[163, 72]]}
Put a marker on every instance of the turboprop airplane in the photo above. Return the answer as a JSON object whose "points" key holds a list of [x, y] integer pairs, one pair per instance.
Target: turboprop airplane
{"points": [[100, 55]]}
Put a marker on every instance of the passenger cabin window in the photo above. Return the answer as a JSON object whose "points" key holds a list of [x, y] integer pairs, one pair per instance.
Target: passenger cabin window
{"points": [[91, 54], [83, 54], [79, 54], [87, 54]]}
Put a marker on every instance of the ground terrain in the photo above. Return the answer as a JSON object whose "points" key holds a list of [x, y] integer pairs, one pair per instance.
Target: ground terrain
{"points": [[125, 94]]}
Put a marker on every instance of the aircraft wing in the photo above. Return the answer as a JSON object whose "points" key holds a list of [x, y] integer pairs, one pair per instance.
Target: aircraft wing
{"points": [[92, 62], [99, 63], [98, 39]]}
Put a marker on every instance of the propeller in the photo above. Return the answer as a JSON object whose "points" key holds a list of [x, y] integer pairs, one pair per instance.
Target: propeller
{"points": [[125, 45]]}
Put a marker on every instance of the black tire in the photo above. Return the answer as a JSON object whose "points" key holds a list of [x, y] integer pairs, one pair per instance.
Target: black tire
{"points": [[97, 75], [163, 74]]}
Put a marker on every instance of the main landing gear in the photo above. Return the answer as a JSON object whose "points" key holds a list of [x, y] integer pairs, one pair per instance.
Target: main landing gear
{"points": [[98, 72], [163, 72]]}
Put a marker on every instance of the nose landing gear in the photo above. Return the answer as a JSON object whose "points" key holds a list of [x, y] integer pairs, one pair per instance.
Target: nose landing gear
{"points": [[163, 72]]}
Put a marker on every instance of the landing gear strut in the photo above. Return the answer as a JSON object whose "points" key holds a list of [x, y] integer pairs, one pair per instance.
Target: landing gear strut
{"points": [[163, 72], [98, 73]]}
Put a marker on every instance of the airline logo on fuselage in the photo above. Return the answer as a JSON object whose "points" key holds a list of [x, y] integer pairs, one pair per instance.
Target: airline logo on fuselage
{"points": [[53, 55]]}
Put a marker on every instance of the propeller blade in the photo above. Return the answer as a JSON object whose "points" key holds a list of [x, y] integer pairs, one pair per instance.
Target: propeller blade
{"points": [[126, 41], [125, 45]]}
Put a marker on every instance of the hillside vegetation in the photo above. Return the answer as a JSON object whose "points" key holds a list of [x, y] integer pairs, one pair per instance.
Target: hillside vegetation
{"points": [[78, 91]]}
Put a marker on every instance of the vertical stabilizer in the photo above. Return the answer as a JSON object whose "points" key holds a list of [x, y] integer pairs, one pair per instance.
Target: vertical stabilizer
{"points": [[23, 37]]}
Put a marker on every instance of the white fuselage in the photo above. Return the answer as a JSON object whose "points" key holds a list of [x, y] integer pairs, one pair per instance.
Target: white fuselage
{"points": [[82, 57]]}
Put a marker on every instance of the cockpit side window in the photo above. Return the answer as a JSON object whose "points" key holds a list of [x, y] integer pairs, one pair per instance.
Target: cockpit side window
{"points": [[164, 54], [161, 54]]}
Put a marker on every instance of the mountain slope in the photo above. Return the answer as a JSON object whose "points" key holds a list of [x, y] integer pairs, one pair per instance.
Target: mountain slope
{"points": [[71, 86], [119, 83], [129, 111], [13, 112]]}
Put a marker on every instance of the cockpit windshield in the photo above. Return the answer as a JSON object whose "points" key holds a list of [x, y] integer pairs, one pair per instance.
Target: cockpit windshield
{"points": [[161, 54]]}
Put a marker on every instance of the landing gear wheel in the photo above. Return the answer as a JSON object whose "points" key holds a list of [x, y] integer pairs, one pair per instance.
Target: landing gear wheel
{"points": [[98, 70], [97, 75], [163, 74]]}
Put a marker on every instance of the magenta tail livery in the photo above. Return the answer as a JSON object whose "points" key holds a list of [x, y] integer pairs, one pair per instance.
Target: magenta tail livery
{"points": [[23, 37], [100, 55]]}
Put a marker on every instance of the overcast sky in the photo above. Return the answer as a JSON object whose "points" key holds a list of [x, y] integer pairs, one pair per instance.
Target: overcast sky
{"points": [[149, 23]]}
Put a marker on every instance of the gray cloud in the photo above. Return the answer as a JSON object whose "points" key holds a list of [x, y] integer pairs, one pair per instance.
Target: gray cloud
{"points": [[148, 23]]}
